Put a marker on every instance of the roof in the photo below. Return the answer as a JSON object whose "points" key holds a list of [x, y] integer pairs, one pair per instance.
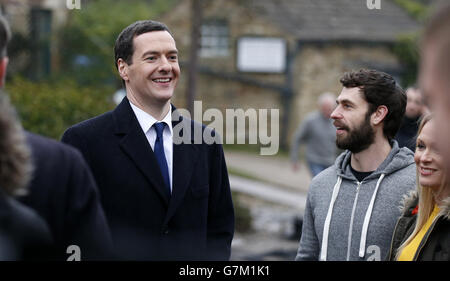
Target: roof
{"points": [[324, 20]]}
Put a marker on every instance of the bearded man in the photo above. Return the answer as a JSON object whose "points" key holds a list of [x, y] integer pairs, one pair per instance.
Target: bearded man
{"points": [[352, 206]]}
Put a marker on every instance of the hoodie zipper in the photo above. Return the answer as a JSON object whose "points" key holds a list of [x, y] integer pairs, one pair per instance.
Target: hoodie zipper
{"points": [[349, 242]]}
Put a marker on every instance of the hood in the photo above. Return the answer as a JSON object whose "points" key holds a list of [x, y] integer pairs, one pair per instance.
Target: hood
{"points": [[445, 209], [397, 159], [411, 200], [409, 203], [15, 156]]}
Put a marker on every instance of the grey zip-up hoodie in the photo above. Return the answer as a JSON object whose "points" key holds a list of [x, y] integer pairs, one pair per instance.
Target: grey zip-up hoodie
{"points": [[349, 220]]}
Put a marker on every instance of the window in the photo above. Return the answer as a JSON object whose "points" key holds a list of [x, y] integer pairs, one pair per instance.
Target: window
{"points": [[261, 54], [214, 39], [40, 32]]}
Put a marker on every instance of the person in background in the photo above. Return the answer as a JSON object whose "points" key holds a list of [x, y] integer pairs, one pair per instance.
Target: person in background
{"points": [[351, 208], [406, 135], [62, 189], [24, 235], [434, 75], [423, 231], [318, 134]]}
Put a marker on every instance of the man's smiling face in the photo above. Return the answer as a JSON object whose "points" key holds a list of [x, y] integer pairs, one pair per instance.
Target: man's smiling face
{"points": [[154, 71]]}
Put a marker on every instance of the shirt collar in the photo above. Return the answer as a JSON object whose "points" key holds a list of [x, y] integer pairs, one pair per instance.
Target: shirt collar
{"points": [[146, 121]]}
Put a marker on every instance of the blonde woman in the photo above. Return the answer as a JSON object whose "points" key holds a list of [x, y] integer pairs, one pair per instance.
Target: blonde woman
{"points": [[423, 230]]}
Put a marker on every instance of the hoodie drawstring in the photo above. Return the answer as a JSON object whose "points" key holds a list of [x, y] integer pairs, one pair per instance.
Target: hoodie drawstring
{"points": [[362, 245], [326, 228]]}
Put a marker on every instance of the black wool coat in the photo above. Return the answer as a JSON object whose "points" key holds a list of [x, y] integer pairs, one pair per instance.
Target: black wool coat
{"points": [[195, 223]]}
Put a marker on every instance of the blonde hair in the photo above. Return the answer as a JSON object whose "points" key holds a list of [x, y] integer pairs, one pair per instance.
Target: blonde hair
{"points": [[426, 198]]}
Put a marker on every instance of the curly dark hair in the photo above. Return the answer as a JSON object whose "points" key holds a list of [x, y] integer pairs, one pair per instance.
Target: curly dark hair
{"points": [[379, 88]]}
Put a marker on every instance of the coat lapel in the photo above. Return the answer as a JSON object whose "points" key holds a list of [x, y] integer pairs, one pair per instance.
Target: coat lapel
{"points": [[134, 143]]}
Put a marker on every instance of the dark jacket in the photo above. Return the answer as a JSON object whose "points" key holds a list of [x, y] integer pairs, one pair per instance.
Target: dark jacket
{"points": [[24, 235], [407, 133], [195, 223], [64, 193], [436, 243]]}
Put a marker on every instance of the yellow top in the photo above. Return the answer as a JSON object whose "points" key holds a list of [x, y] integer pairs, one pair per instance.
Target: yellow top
{"points": [[410, 250]]}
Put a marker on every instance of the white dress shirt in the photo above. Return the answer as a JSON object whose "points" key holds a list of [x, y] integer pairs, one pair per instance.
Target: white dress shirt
{"points": [[146, 122]]}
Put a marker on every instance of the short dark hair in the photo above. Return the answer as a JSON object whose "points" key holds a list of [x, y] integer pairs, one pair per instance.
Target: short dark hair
{"points": [[124, 48], [5, 35], [379, 88]]}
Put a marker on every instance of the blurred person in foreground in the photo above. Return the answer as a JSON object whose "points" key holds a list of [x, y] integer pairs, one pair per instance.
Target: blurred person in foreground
{"points": [[434, 75], [423, 231], [165, 199], [318, 133], [352, 206], [24, 235], [406, 135], [62, 191]]}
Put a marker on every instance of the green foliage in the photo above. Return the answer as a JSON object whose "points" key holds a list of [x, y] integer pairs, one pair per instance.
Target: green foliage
{"points": [[243, 217], [407, 50], [49, 108], [415, 8], [87, 39]]}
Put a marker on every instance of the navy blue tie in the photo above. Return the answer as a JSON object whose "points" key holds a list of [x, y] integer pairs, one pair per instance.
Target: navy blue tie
{"points": [[160, 155]]}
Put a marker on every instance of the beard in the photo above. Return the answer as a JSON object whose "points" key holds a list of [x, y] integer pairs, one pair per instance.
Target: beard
{"points": [[357, 139]]}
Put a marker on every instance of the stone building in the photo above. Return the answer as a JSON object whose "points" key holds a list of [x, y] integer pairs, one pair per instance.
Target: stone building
{"points": [[254, 54], [304, 47]]}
